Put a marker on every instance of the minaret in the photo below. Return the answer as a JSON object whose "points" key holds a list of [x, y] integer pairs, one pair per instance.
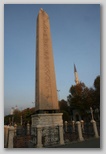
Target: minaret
{"points": [[76, 75]]}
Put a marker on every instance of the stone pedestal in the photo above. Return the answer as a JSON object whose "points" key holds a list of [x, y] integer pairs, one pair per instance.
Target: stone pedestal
{"points": [[10, 138], [28, 128], [95, 128], [79, 131], [61, 134], [39, 137], [47, 129], [6, 136], [82, 125], [47, 119]]}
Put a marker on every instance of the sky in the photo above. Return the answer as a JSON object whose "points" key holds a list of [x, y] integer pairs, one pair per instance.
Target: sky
{"points": [[75, 31]]}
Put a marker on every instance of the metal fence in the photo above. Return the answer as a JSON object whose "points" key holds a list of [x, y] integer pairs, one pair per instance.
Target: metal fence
{"points": [[22, 137], [50, 135], [21, 131], [88, 131], [71, 131]]}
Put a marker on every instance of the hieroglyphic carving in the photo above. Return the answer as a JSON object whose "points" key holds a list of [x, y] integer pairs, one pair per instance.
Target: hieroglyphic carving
{"points": [[37, 39], [46, 62], [46, 94]]}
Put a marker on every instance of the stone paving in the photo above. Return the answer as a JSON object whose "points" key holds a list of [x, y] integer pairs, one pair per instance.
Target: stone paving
{"points": [[91, 143]]}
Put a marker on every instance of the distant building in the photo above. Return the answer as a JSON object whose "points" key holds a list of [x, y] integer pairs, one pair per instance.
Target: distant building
{"points": [[16, 107], [13, 109]]}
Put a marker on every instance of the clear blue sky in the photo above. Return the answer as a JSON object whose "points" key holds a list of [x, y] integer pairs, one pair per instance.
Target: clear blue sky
{"points": [[75, 31]]}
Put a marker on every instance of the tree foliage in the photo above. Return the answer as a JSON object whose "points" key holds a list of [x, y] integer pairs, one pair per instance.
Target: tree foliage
{"points": [[81, 97], [79, 94], [64, 109], [97, 91], [17, 115], [97, 83], [63, 105]]}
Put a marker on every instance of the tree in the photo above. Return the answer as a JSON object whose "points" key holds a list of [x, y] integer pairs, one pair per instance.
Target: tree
{"points": [[64, 109], [66, 116], [26, 115], [78, 95], [97, 92], [97, 83], [63, 105], [17, 116], [7, 119], [82, 98]]}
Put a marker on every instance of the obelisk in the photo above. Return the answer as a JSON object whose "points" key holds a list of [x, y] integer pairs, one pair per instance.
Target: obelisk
{"points": [[47, 123], [46, 92]]}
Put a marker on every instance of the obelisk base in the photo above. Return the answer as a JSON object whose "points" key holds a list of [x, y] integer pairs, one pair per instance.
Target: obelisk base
{"points": [[47, 129]]}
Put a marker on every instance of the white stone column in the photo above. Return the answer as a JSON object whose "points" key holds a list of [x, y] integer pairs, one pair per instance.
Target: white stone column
{"points": [[82, 125], [11, 136], [80, 131], [61, 134], [39, 137], [15, 129], [6, 135], [95, 128]]}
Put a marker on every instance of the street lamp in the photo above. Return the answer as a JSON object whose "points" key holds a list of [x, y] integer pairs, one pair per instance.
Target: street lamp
{"points": [[33, 102], [58, 94], [92, 113]]}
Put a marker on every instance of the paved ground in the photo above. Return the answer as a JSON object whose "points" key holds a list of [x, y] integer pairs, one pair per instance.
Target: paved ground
{"points": [[91, 143]]}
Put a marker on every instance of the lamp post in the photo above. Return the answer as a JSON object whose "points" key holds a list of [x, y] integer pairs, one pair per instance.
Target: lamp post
{"points": [[92, 113], [58, 94], [33, 103], [94, 124]]}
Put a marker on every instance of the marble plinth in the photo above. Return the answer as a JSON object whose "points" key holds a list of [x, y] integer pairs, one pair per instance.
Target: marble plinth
{"points": [[47, 119], [47, 129]]}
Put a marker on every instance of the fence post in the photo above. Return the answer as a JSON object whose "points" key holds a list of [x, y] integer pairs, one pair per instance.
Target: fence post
{"points": [[61, 134], [10, 138], [15, 129], [39, 137], [73, 125], [6, 136], [82, 125], [28, 128], [79, 131], [95, 128]]}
